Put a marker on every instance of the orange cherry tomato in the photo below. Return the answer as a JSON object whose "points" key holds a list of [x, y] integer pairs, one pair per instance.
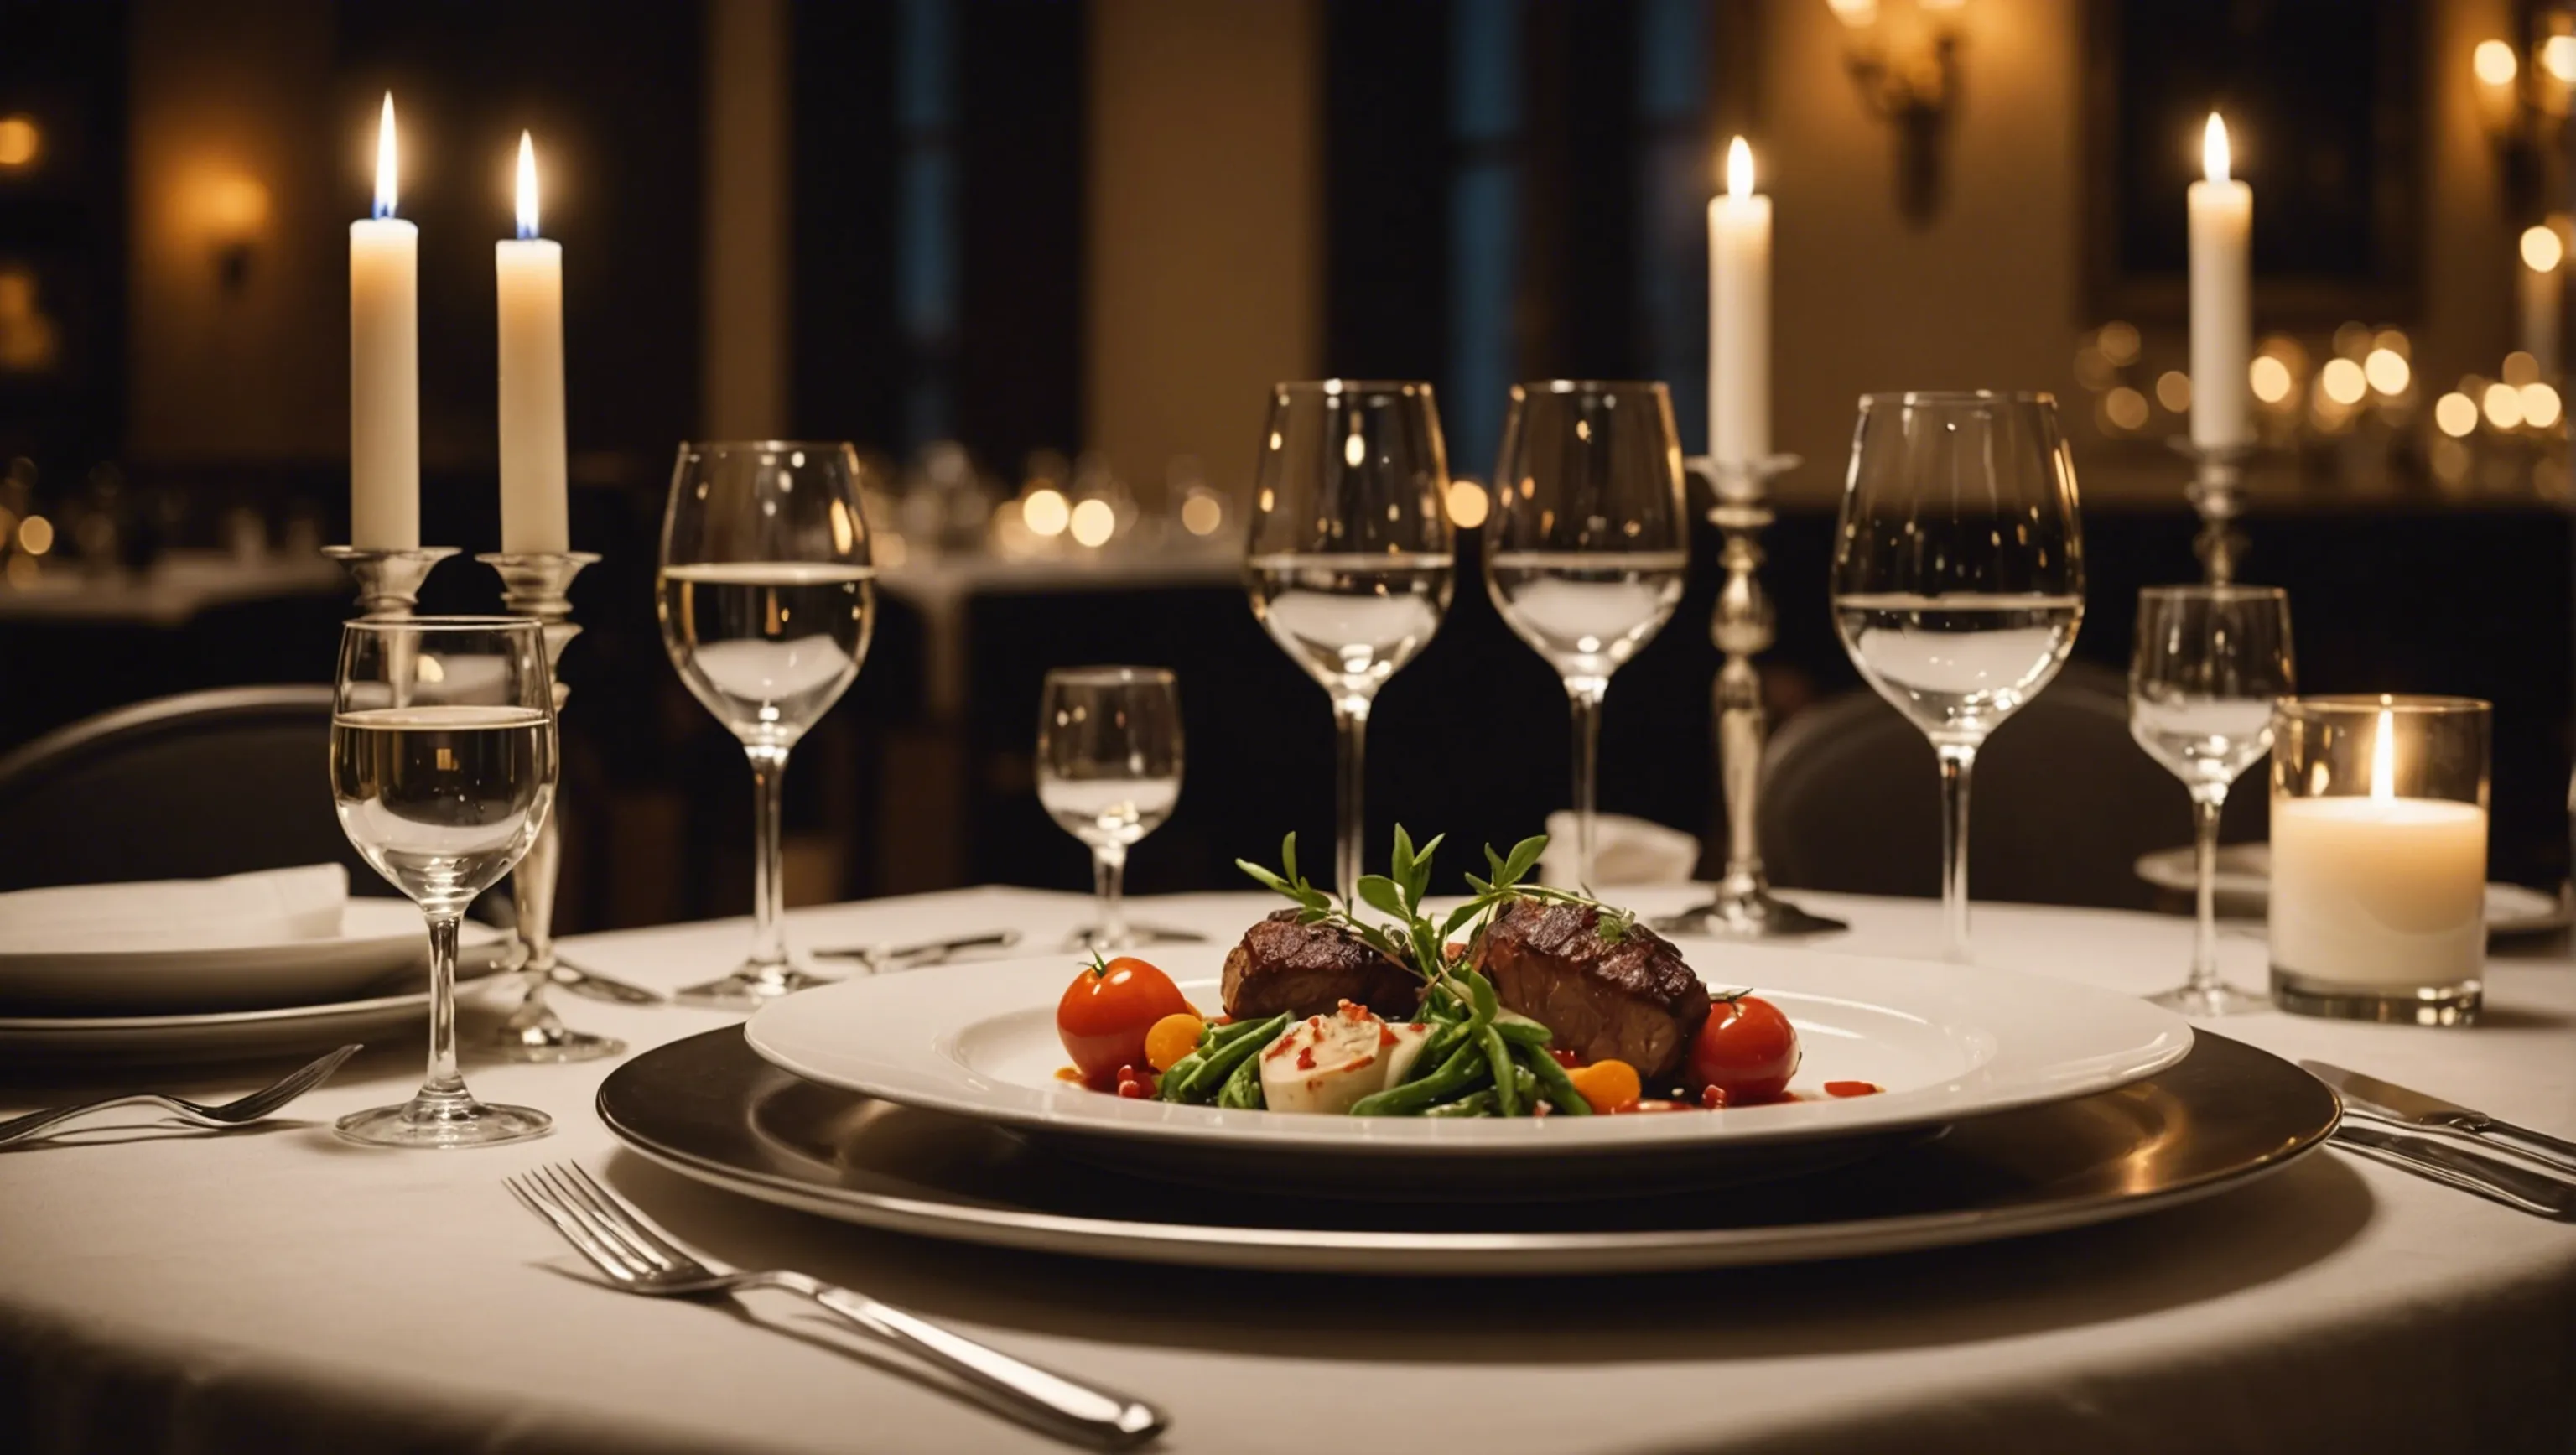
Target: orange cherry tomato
{"points": [[1610, 1086], [1747, 1050], [1107, 1011]]}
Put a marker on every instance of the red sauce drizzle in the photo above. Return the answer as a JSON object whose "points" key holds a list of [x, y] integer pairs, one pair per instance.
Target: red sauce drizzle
{"points": [[1852, 1088]]}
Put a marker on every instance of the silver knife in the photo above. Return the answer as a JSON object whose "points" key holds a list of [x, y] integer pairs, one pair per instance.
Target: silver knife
{"points": [[928, 952], [2454, 1166], [581, 981], [2415, 1108]]}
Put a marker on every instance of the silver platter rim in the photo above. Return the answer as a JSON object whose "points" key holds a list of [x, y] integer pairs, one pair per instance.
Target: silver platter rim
{"points": [[692, 1105]]}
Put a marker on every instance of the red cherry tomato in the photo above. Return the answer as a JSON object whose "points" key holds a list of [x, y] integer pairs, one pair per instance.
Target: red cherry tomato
{"points": [[1106, 1012], [1747, 1050]]}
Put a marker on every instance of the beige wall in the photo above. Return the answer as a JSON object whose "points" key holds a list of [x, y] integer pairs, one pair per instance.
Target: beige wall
{"points": [[1205, 234], [1989, 294], [233, 115]]}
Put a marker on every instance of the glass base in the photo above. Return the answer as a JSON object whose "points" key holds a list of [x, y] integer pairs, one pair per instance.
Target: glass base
{"points": [[444, 1121], [1751, 914], [535, 1034], [2216, 1000], [2432, 1005], [751, 987]]}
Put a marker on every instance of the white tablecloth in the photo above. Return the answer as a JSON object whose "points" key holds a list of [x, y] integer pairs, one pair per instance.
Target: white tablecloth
{"points": [[278, 1290]]}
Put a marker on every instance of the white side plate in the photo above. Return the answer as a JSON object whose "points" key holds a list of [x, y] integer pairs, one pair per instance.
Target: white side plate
{"points": [[378, 938]]}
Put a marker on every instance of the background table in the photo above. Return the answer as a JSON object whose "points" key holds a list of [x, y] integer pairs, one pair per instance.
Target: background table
{"points": [[276, 1289]]}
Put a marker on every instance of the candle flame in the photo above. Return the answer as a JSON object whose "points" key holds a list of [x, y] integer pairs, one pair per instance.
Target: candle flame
{"points": [[2383, 759], [2213, 149], [527, 186], [1739, 169], [385, 159]]}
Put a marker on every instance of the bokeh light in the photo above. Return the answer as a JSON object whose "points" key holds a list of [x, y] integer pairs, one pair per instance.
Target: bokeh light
{"points": [[2504, 406], [2386, 371], [2541, 249], [1468, 504], [2540, 405], [2270, 379], [2520, 368], [1093, 522], [2173, 390], [2495, 62], [2455, 414], [2118, 342], [1045, 512], [2343, 381], [20, 142]]}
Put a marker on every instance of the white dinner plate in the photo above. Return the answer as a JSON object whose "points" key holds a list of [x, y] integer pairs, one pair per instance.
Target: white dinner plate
{"points": [[378, 938], [2244, 886], [392, 1004], [1945, 1041]]}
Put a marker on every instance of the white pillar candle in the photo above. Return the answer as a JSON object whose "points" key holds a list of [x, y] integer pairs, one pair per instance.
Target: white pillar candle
{"points": [[1739, 316], [2543, 295], [2379, 890], [2222, 290], [529, 271], [384, 367]]}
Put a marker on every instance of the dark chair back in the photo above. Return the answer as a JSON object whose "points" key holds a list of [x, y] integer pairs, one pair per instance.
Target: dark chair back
{"points": [[2062, 803], [184, 787]]}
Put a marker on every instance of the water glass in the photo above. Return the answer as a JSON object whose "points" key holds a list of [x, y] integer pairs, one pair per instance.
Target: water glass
{"points": [[767, 600], [1958, 578], [1587, 549], [2210, 661], [1109, 771], [1349, 561], [443, 766]]}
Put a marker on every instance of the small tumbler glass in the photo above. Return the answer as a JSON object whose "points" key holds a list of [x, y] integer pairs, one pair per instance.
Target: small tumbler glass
{"points": [[2379, 857]]}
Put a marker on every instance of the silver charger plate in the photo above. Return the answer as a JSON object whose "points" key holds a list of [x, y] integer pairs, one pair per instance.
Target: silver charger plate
{"points": [[708, 1107]]}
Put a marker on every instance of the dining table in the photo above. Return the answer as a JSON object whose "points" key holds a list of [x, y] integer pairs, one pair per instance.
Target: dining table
{"points": [[276, 1289]]}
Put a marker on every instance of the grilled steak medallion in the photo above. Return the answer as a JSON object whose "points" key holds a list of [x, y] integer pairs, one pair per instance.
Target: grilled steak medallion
{"points": [[1634, 999], [1310, 969]]}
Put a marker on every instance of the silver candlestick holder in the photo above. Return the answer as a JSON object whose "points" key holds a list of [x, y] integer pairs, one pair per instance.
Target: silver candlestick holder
{"points": [[389, 582], [535, 583], [2217, 493], [1743, 627]]}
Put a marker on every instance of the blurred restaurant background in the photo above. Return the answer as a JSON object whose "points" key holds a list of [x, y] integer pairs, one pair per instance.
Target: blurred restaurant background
{"points": [[1040, 260]]}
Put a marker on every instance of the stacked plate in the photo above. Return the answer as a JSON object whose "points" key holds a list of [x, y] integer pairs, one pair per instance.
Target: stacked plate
{"points": [[929, 1103], [111, 995]]}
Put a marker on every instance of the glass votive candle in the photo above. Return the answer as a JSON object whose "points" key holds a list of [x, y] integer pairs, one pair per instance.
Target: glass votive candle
{"points": [[2379, 857]]}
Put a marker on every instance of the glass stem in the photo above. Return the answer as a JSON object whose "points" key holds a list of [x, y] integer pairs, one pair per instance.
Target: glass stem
{"points": [[1350, 783], [1585, 694], [2205, 805], [1109, 882], [768, 886], [1958, 763], [444, 1082]]}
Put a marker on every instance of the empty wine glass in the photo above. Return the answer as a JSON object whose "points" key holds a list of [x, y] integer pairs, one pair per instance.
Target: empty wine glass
{"points": [[1350, 559], [767, 601], [1109, 771], [1586, 551], [443, 768], [2210, 661], [1958, 578]]}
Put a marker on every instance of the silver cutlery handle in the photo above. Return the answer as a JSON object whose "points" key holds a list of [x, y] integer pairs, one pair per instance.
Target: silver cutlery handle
{"points": [[1111, 1419], [36, 1123], [2531, 1192], [2556, 1150]]}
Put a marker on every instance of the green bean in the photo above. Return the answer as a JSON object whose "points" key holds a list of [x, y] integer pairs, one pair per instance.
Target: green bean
{"points": [[1203, 1080], [1475, 1104], [1454, 1075], [1242, 1090], [1226, 1035], [1525, 1033], [1499, 1057], [1554, 1084]]}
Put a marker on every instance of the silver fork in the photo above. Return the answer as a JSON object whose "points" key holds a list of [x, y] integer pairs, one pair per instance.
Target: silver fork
{"points": [[233, 1113], [636, 1258]]}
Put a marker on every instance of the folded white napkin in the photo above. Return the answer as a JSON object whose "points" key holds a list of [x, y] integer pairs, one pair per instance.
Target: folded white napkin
{"points": [[1624, 851], [266, 908]]}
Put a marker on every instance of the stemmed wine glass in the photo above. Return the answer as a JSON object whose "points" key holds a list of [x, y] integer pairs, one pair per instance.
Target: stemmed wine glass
{"points": [[2209, 662], [443, 769], [1587, 550], [767, 601], [1109, 771], [1350, 559], [1958, 578]]}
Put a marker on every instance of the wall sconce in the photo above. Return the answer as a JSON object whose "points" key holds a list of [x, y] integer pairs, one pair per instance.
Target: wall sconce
{"points": [[230, 210], [1905, 64], [2524, 97]]}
